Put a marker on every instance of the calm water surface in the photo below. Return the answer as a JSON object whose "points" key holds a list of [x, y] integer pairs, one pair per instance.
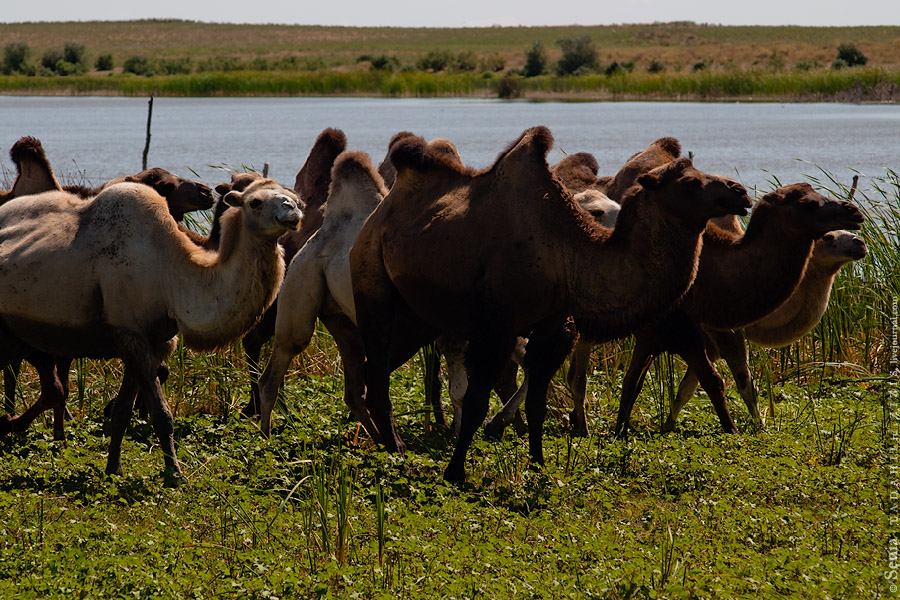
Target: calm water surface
{"points": [[100, 138]]}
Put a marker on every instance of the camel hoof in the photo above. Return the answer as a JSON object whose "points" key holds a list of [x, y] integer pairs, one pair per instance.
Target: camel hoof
{"points": [[668, 426], [493, 430], [455, 475], [115, 469], [172, 477]]}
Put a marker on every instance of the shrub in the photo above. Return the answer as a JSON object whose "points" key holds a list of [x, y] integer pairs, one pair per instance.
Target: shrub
{"points": [[73, 52], [850, 55], [14, 56], [508, 87], [699, 65], [382, 62], [50, 58], [436, 60], [579, 55], [656, 67], [535, 60], [104, 62], [465, 61], [138, 64], [176, 66], [493, 63]]}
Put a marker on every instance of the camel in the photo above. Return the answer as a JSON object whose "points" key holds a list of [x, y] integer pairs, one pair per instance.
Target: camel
{"points": [[133, 281], [785, 325], [317, 285], [311, 185], [741, 279], [492, 255], [36, 175], [578, 172]]}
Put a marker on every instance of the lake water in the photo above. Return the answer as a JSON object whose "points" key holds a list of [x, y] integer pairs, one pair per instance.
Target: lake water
{"points": [[98, 138]]}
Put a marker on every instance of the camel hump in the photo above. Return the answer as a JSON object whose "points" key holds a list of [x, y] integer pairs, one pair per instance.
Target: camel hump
{"points": [[669, 145], [533, 144], [353, 169], [27, 148], [412, 152], [313, 178]]}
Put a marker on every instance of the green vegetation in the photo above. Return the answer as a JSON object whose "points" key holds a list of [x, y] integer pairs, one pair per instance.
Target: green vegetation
{"points": [[313, 57], [800, 509]]}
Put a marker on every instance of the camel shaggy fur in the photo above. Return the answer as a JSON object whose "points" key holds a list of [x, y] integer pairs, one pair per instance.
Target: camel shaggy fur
{"points": [[783, 326], [741, 279], [133, 281], [488, 256]]}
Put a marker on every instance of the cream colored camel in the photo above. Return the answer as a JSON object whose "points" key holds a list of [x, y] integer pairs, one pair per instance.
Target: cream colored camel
{"points": [[317, 283], [787, 324], [317, 286], [492, 255], [132, 281]]}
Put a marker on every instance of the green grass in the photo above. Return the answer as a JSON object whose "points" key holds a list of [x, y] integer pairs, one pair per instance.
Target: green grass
{"points": [[799, 509]]}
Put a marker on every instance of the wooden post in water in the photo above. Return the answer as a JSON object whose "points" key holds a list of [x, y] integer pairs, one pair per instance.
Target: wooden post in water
{"points": [[147, 142]]}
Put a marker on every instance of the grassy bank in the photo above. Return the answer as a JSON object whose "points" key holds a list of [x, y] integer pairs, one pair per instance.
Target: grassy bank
{"points": [[655, 61], [857, 85], [800, 509]]}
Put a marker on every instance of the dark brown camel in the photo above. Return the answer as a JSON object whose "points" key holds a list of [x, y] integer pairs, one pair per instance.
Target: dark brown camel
{"points": [[785, 325], [488, 256], [741, 279], [311, 185]]}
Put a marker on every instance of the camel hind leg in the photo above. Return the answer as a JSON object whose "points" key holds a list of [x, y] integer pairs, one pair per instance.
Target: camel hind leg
{"points": [[253, 343], [576, 378]]}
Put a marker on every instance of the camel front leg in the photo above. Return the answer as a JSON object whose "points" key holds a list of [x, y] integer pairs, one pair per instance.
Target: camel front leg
{"points": [[120, 416], [576, 378], [641, 358], [494, 427], [686, 390], [253, 343], [733, 348]]}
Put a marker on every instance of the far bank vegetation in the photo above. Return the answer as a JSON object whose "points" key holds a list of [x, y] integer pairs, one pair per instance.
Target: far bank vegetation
{"points": [[681, 60]]}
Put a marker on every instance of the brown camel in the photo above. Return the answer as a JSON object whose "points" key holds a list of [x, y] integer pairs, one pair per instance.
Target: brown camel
{"points": [[488, 256], [785, 325], [311, 185], [578, 172], [741, 279], [133, 281]]}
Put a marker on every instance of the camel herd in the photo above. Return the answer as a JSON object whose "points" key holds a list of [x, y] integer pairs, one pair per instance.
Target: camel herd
{"points": [[521, 263]]}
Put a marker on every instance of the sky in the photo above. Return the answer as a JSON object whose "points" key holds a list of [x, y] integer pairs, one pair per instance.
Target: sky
{"points": [[466, 13]]}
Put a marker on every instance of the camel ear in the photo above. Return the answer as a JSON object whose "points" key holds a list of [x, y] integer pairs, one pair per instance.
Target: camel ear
{"points": [[775, 197], [233, 199]]}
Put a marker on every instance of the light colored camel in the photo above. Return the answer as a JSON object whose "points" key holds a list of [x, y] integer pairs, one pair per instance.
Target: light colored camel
{"points": [[132, 281], [317, 284], [311, 185], [741, 279], [488, 256], [785, 325]]}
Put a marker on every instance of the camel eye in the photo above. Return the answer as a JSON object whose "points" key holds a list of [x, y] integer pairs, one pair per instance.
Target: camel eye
{"points": [[255, 203]]}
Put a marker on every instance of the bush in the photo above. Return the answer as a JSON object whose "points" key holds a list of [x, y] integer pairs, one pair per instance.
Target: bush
{"points": [[436, 60], [465, 61], [493, 63], [137, 64], [656, 67], [50, 58], [382, 62], [850, 55], [535, 60], [73, 52], [14, 56], [579, 55], [176, 66], [508, 87], [104, 62]]}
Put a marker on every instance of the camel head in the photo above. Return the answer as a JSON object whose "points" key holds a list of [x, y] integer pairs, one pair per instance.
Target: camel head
{"points": [[578, 172], [810, 211], [34, 174], [182, 195], [599, 206], [238, 183], [691, 195], [386, 168], [268, 209], [837, 248]]}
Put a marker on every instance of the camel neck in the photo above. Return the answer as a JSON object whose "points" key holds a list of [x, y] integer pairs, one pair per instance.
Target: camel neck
{"points": [[743, 278], [642, 270]]}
